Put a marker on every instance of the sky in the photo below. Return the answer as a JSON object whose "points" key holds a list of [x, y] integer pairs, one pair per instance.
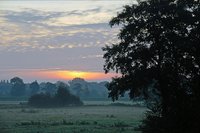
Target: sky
{"points": [[56, 40]]}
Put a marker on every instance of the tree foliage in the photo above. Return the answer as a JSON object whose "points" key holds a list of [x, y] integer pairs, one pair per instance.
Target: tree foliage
{"points": [[50, 88], [5, 87], [159, 46], [34, 87], [18, 87], [62, 98]]}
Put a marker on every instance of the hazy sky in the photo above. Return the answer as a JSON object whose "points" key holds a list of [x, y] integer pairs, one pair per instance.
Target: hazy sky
{"points": [[49, 40]]}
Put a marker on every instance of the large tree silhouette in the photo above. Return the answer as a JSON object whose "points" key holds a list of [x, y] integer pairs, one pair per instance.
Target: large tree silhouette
{"points": [[159, 47]]}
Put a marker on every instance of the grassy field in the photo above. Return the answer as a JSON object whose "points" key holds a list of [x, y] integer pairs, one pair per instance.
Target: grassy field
{"points": [[85, 119]]}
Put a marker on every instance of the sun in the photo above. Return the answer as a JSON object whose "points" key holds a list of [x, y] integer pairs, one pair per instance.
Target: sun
{"points": [[77, 74], [70, 74]]}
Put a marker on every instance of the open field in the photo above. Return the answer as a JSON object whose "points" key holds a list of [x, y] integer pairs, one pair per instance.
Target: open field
{"points": [[84, 119]]}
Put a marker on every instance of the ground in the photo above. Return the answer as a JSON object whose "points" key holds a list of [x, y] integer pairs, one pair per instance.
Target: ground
{"points": [[84, 119]]}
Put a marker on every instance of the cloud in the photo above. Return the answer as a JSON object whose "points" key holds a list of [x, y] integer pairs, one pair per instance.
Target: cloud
{"points": [[33, 16], [61, 35], [88, 18], [28, 16], [31, 29], [92, 56], [39, 37]]}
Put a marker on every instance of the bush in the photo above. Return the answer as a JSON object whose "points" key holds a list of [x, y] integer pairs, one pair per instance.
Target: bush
{"points": [[41, 100], [62, 98]]}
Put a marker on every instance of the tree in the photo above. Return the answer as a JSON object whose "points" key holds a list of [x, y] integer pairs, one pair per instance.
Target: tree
{"points": [[50, 88], [34, 86], [41, 100], [62, 98], [159, 47], [18, 87], [77, 85], [63, 95], [5, 87]]}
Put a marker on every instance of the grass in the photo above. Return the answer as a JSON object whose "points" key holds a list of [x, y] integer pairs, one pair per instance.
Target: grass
{"points": [[84, 119]]}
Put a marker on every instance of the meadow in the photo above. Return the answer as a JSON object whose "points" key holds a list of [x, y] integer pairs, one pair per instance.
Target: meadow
{"points": [[16, 118]]}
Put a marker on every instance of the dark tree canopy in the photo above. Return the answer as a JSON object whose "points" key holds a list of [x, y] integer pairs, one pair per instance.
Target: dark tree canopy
{"points": [[18, 87], [159, 46], [5, 87], [62, 98], [34, 87], [50, 88]]}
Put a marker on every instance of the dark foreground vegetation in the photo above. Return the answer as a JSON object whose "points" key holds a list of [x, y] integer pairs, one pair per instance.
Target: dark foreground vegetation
{"points": [[158, 57]]}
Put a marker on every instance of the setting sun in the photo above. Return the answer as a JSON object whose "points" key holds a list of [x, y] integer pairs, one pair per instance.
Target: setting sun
{"points": [[77, 74], [67, 75], [71, 74]]}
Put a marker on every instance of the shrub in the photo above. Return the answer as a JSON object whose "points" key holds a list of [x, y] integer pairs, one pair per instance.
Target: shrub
{"points": [[62, 98]]}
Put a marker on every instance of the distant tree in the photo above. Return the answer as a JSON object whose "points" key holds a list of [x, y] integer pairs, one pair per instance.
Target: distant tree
{"points": [[88, 90], [34, 87], [60, 83], [41, 100], [5, 87], [18, 87], [159, 47], [78, 88], [63, 95], [78, 80], [50, 88], [62, 98]]}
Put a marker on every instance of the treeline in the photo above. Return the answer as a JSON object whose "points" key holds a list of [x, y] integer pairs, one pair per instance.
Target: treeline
{"points": [[78, 87], [17, 88]]}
